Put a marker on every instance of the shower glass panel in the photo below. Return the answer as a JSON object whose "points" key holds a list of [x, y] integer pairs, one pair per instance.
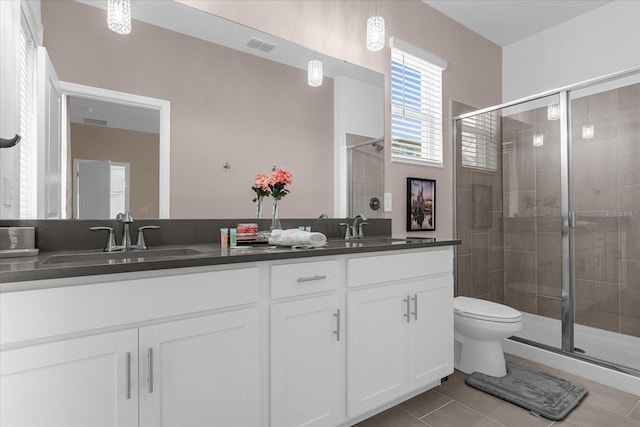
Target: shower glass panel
{"points": [[548, 211], [365, 176], [605, 195], [508, 210]]}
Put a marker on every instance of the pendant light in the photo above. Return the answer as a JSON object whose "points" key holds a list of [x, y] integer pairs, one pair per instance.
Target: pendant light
{"points": [[375, 32], [538, 140], [119, 16], [553, 111], [314, 72]]}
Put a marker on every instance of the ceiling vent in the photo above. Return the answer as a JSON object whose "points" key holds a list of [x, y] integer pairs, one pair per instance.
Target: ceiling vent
{"points": [[262, 45], [96, 122]]}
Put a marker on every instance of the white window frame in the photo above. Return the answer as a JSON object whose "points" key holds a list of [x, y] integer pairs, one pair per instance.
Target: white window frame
{"points": [[429, 148]]}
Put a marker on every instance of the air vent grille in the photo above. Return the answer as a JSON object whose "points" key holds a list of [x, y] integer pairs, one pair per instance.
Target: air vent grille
{"points": [[96, 122], [262, 45]]}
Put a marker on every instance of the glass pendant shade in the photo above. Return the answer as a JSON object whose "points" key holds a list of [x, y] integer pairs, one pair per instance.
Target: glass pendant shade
{"points": [[553, 112], [375, 33], [587, 131], [314, 73], [538, 140], [119, 16]]}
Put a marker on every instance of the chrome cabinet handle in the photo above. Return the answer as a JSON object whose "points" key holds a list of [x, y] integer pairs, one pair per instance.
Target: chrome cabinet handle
{"points": [[150, 370], [127, 368], [407, 314], [311, 278], [337, 331], [415, 306]]}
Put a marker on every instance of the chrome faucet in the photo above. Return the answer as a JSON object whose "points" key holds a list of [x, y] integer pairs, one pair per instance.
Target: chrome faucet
{"points": [[127, 220], [357, 232], [126, 245]]}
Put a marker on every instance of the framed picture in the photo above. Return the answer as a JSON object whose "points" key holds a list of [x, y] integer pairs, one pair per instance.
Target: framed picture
{"points": [[421, 204]]}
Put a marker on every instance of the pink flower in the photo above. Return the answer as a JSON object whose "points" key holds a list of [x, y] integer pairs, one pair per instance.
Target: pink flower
{"points": [[277, 182], [262, 182], [281, 176], [261, 187]]}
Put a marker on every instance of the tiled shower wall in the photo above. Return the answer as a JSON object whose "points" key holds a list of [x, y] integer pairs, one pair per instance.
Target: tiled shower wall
{"points": [[515, 257], [479, 224]]}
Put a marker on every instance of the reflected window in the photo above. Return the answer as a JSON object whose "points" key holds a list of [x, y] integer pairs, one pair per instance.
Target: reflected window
{"points": [[480, 142]]}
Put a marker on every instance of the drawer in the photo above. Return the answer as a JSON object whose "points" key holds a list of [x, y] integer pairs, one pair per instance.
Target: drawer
{"points": [[369, 270], [289, 280], [48, 312]]}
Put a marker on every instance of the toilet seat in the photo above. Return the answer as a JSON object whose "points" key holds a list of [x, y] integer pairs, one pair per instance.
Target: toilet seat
{"points": [[485, 310]]}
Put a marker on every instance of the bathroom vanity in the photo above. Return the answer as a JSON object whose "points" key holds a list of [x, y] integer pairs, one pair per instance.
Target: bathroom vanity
{"points": [[251, 337]]}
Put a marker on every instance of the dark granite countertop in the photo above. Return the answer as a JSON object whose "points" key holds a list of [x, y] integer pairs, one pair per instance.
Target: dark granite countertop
{"points": [[67, 264]]}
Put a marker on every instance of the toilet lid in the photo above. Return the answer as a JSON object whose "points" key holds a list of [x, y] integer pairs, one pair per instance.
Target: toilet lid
{"points": [[485, 310]]}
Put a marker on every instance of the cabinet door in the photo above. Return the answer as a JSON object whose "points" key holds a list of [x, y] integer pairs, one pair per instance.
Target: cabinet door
{"points": [[376, 351], [201, 371], [90, 381], [430, 330], [306, 362]]}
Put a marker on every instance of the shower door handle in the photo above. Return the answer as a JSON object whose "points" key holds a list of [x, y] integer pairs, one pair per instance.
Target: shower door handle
{"points": [[572, 219]]}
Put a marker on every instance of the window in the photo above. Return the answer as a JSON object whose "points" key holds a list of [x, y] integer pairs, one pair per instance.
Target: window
{"points": [[480, 142], [416, 105]]}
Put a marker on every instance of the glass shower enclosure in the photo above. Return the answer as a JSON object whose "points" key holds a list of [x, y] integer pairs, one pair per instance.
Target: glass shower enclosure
{"points": [[548, 211]]}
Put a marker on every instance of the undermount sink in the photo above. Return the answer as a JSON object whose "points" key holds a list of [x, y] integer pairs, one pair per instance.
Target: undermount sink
{"points": [[118, 256]]}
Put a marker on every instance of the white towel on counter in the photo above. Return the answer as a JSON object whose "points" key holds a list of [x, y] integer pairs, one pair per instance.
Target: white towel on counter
{"points": [[295, 237]]}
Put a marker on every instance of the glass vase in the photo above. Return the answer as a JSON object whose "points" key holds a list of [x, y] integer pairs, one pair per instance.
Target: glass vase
{"points": [[275, 219], [259, 209]]}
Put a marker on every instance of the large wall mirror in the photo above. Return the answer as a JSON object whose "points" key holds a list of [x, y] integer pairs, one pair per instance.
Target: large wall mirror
{"points": [[239, 105]]}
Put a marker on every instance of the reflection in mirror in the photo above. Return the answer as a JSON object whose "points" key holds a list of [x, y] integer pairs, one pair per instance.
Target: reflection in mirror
{"points": [[250, 111], [103, 135]]}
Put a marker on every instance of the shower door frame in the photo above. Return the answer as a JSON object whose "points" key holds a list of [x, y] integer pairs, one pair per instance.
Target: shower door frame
{"points": [[568, 217]]}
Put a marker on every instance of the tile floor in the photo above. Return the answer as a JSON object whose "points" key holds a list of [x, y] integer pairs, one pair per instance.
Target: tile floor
{"points": [[455, 404]]}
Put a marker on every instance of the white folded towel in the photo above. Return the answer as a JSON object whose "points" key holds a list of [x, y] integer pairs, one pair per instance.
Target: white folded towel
{"points": [[295, 237]]}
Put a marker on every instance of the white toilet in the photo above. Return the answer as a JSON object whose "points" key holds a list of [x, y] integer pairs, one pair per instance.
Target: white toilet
{"points": [[479, 328]]}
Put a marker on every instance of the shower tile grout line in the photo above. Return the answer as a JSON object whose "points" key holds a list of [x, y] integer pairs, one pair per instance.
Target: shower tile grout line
{"points": [[637, 405]]}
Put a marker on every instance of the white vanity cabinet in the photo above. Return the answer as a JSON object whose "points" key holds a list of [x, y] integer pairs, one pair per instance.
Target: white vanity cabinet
{"points": [[185, 363], [318, 341], [307, 345], [88, 381], [201, 371], [400, 329]]}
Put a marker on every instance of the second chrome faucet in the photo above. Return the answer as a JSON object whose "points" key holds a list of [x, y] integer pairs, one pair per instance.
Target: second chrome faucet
{"points": [[355, 230], [126, 245]]}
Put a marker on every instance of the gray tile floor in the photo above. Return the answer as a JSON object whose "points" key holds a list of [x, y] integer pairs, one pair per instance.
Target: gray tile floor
{"points": [[455, 404]]}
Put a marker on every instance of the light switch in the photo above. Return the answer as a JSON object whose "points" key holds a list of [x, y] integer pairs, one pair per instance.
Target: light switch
{"points": [[387, 202]]}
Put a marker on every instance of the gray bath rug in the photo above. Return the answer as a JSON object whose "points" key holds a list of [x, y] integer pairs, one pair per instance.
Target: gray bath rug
{"points": [[541, 393]]}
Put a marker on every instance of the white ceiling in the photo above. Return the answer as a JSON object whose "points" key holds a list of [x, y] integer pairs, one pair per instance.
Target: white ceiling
{"points": [[508, 21]]}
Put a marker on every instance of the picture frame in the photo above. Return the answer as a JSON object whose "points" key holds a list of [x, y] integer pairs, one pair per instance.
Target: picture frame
{"points": [[421, 204]]}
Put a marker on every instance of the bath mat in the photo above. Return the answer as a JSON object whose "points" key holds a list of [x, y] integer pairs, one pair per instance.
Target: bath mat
{"points": [[541, 393]]}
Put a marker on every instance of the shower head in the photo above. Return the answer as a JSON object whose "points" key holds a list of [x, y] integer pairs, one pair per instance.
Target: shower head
{"points": [[378, 145]]}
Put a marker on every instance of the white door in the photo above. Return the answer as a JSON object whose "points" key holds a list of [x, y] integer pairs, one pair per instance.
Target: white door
{"points": [[90, 381], [50, 147], [307, 347], [201, 372], [430, 330], [376, 350], [100, 189]]}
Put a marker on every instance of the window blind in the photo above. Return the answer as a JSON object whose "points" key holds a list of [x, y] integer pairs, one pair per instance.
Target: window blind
{"points": [[28, 151], [480, 141], [416, 109]]}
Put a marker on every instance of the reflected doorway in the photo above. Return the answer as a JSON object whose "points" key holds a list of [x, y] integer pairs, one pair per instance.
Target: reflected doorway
{"points": [[365, 175]]}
